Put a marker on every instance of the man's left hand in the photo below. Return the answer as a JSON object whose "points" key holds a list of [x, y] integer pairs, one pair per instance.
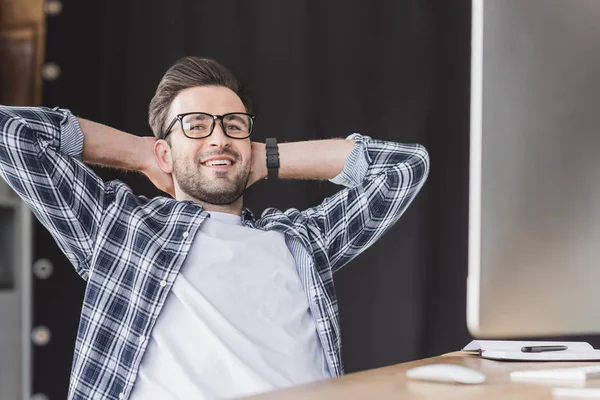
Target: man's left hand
{"points": [[258, 168]]}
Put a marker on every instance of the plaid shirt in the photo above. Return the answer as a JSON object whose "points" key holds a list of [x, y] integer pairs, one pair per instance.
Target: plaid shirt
{"points": [[130, 248]]}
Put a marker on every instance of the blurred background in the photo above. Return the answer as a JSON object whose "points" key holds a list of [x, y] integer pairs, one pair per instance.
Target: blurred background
{"points": [[394, 70]]}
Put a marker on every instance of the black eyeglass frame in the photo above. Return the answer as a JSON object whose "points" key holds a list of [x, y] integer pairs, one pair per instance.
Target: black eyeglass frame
{"points": [[212, 128]]}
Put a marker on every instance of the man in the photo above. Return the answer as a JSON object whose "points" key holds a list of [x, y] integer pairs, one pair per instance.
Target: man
{"points": [[191, 296]]}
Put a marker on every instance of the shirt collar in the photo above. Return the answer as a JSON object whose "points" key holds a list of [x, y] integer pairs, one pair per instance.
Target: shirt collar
{"points": [[247, 215]]}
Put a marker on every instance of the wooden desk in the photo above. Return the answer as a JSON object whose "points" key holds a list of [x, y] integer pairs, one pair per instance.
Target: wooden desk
{"points": [[391, 382]]}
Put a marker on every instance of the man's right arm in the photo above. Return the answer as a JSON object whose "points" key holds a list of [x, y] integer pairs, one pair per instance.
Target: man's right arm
{"points": [[39, 158], [109, 147]]}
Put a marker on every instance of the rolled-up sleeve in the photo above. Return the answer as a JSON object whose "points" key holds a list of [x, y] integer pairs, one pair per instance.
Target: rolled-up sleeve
{"points": [[382, 179], [40, 151]]}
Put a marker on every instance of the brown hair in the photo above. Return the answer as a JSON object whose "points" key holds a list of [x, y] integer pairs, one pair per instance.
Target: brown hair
{"points": [[186, 73]]}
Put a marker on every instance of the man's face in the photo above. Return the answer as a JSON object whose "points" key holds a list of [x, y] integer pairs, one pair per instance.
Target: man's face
{"points": [[196, 169]]}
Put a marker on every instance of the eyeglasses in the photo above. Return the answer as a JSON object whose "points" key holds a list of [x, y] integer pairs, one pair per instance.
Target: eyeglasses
{"points": [[198, 125]]}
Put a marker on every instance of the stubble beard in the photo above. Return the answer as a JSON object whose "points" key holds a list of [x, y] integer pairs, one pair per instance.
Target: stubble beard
{"points": [[216, 190]]}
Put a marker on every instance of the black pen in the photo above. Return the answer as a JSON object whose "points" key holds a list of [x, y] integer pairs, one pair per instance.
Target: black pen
{"points": [[539, 349]]}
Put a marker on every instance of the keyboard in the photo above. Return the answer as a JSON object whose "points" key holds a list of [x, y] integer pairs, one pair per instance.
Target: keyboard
{"points": [[571, 374], [576, 393]]}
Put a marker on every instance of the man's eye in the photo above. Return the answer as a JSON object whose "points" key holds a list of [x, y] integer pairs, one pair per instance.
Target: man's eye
{"points": [[197, 127], [232, 127]]}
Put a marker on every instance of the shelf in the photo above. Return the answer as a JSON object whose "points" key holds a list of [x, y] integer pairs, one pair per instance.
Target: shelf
{"points": [[9, 202]]}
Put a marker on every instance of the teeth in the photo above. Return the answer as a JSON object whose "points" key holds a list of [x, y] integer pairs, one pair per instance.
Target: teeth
{"points": [[218, 162]]}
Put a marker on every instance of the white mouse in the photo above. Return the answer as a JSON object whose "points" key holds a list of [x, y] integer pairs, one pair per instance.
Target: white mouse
{"points": [[446, 373]]}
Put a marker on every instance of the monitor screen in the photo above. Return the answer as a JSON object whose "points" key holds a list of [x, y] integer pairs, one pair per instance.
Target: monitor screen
{"points": [[534, 205]]}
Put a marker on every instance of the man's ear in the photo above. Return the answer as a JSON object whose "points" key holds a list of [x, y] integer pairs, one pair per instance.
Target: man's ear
{"points": [[162, 153]]}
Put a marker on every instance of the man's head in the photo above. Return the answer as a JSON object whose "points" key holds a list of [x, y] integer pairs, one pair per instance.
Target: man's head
{"points": [[212, 169]]}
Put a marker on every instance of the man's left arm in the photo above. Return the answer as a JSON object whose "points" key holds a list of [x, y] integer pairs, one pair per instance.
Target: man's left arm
{"points": [[310, 160], [381, 179]]}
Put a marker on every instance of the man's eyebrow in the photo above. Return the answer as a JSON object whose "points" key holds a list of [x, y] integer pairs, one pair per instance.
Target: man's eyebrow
{"points": [[235, 117], [195, 117]]}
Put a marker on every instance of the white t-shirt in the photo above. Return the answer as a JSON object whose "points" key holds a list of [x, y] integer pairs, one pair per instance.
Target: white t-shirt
{"points": [[236, 322]]}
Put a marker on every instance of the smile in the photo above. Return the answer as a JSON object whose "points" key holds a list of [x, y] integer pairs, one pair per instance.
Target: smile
{"points": [[212, 163], [217, 163]]}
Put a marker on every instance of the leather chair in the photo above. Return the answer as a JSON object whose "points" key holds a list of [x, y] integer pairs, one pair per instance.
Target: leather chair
{"points": [[22, 43]]}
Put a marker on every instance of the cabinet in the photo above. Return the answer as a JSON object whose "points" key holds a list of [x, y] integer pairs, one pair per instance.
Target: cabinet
{"points": [[15, 296]]}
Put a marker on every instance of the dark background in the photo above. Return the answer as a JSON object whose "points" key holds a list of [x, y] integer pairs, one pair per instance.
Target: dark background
{"points": [[394, 70]]}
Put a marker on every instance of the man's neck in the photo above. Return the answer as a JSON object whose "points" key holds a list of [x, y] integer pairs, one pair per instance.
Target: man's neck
{"points": [[234, 208], [226, 208]]}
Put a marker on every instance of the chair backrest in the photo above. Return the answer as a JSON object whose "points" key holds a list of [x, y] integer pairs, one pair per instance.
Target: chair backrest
{"points": [[22, 44]]}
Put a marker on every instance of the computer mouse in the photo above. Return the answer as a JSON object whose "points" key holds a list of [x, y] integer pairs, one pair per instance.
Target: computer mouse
{"points": [[446, 373]]}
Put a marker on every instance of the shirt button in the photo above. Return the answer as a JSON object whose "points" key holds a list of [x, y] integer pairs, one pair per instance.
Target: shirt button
{"points": [[186, 234], [142, 339], [121, 396], [163, 283]]}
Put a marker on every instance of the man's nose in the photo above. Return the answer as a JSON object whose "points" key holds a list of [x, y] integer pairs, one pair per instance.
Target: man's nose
{"points": [[218, 137]]}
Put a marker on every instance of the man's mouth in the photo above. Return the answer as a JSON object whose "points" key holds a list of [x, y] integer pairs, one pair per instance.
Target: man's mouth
{"points": [[218, 163]]}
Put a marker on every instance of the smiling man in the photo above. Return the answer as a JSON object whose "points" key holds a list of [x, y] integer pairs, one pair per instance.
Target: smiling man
{"points": [[215, 170], [190, 296]]}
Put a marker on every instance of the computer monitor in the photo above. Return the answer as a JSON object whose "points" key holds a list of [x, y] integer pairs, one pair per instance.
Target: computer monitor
{"points": [[534, 207]]}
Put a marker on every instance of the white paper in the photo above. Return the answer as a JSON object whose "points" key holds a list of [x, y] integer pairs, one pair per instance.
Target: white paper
{"points": [[563, 355], [515, 345]]}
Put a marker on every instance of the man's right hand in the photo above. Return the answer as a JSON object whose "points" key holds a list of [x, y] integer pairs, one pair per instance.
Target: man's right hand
{"points": [[157, 176]]}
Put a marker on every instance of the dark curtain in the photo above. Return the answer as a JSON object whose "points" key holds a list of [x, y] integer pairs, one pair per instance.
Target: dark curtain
{"points": [[394, 70]]}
